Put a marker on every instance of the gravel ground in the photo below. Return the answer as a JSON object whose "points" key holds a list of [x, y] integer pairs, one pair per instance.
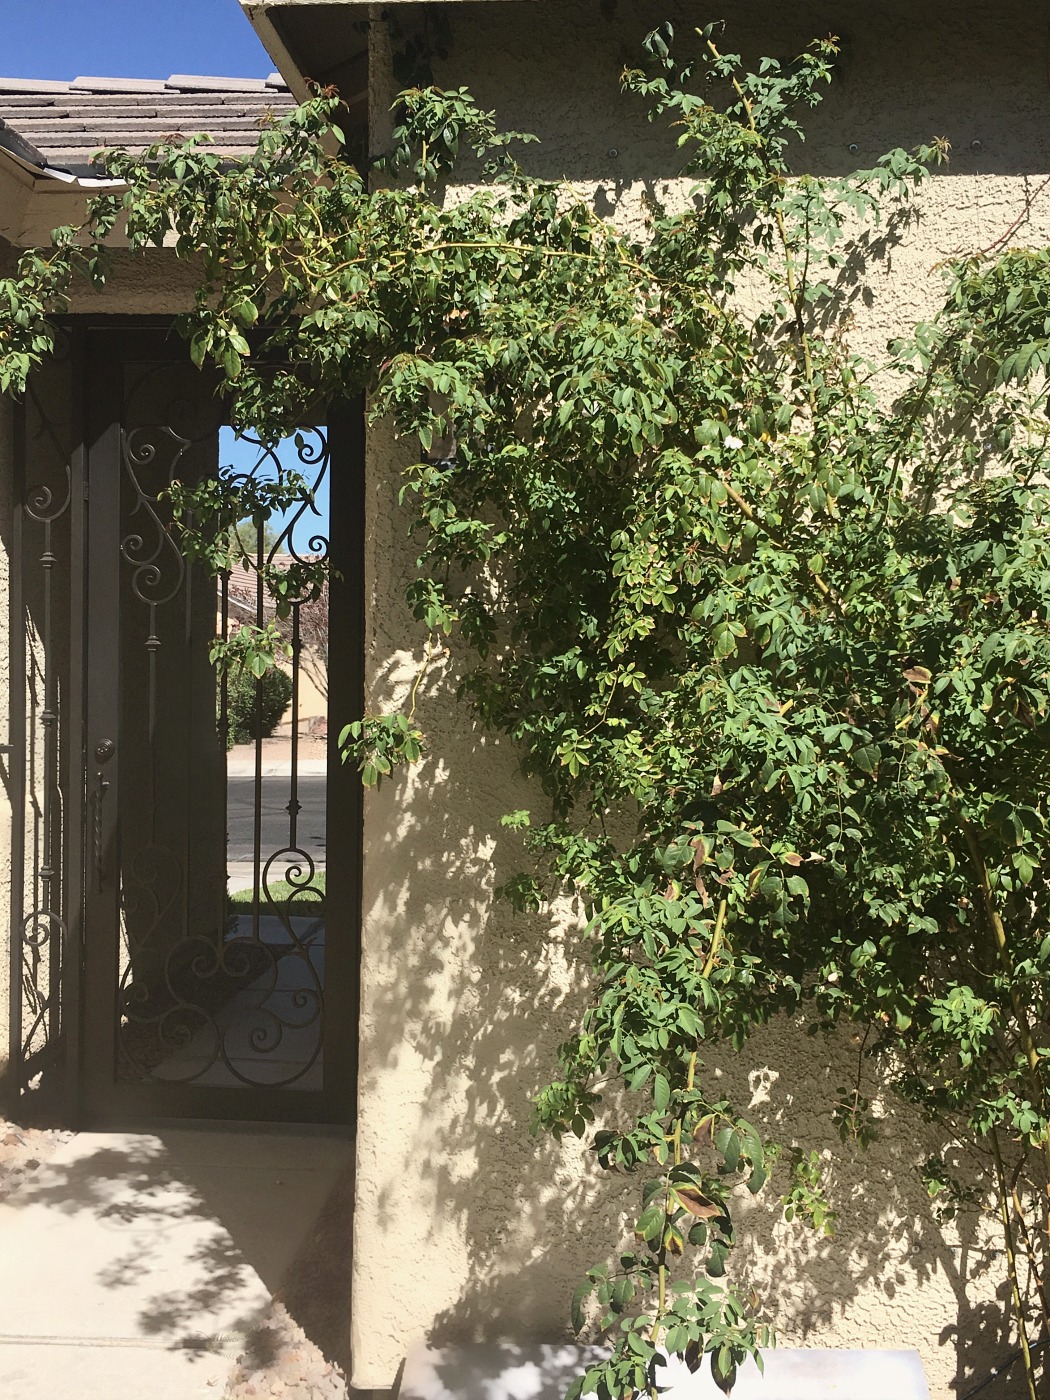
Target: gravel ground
{"points": [[282, 1360], [23, 1149]]}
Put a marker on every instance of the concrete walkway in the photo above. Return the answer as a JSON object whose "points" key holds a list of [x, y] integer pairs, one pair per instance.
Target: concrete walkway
{"points": [[276, 767], [138, 1267]]}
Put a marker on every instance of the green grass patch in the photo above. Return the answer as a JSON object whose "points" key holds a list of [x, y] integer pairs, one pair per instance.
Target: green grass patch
{"points": [[308, 903]]}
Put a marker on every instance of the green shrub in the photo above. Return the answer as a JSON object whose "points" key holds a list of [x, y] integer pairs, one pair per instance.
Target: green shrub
{"points": [[254, 707]]}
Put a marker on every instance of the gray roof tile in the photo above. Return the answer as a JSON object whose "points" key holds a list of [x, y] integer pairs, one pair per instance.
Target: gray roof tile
{"points": [[117, 85], [66, 122]]}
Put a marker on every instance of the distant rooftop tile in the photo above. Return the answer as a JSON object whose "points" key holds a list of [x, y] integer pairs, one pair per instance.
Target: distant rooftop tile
{"points": [[117, 85], [194, 82], [32, 85]]}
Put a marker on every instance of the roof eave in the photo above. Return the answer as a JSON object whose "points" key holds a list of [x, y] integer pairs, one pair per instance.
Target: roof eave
{"points": [[273, 42], [18, 146]]}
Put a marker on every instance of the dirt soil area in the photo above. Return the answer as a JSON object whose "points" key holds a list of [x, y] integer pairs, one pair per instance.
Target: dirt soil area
{"points": [[302, 1349]]}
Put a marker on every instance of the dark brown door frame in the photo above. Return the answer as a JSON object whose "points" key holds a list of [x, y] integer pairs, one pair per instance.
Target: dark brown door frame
{"points": [[46, 592], [104, 346]]}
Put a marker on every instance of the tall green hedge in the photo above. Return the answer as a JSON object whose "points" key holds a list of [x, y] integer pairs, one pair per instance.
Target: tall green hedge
{"points": [[254, 707]]}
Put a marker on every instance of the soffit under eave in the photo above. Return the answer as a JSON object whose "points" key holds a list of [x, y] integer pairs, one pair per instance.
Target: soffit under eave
{"points": [[316, 43], [273, 42], [33, 202]]}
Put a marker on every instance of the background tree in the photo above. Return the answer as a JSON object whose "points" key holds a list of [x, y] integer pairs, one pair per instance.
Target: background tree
{"points": [[244, 538], [313, 636]]}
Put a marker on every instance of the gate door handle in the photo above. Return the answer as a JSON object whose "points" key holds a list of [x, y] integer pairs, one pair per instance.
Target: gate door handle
{"points": [[104, 751]]}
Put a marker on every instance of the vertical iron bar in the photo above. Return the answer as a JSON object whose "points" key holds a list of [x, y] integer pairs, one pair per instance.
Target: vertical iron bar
{"points": [[76, 779], [224, 684], [49, 714], [191, 750], [224, 738], [293, 784], [17, 740], [50, 882], [152, 646], [257, 830]]}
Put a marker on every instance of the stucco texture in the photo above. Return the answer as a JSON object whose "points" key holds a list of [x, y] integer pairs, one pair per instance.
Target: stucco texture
{"points": [[466, 1227]]}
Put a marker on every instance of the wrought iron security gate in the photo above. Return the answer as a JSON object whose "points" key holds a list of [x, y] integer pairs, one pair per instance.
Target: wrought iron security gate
{"points": [[163, 990]]}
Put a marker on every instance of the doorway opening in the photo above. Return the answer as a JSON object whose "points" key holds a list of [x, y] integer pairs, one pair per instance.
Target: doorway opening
{"points": [[275, 731], [201, 951]]}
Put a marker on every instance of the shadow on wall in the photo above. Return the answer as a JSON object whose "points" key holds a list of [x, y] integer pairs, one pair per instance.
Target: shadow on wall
{"points": [[465, 1005], [465, 1002], [908, 71], [890, 1275]]}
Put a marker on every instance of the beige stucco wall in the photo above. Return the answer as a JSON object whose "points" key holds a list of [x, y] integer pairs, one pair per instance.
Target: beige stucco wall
{"points": [[465, 1226], [6, 469]]}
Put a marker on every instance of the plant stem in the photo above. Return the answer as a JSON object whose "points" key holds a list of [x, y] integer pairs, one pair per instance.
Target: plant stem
{"points": [[677, 1135], [789, 257], [796, 306], [1034, 1269], [748, 512], [1011, 1259], [677, 1146], [1009, 971], [428, 655], [709, 962]]}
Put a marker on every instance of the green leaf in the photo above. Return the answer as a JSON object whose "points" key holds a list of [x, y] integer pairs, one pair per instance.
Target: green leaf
{"points": [[579, 1297], [867, 758], [639, 1077]]}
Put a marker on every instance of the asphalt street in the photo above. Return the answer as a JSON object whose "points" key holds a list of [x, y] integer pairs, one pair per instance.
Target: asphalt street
{"points": [[240, 816]]}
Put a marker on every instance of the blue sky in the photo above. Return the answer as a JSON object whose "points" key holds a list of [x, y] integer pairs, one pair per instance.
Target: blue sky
{"points": [[242, 456], [66, 39]]}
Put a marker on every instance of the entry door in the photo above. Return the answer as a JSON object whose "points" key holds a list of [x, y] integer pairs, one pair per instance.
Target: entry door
{"points": [[220, 946]]}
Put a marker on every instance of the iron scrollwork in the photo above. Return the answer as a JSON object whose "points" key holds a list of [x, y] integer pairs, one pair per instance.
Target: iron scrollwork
{"points": [[41, 928], [233, 998]]}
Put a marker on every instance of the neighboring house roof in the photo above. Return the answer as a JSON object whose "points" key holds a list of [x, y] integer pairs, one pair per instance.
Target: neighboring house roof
{"points": [[56, 127]]}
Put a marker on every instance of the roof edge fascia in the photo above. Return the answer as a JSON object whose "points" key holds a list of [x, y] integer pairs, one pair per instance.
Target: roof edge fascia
{"points": [[273, 42], [292, 4]]}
